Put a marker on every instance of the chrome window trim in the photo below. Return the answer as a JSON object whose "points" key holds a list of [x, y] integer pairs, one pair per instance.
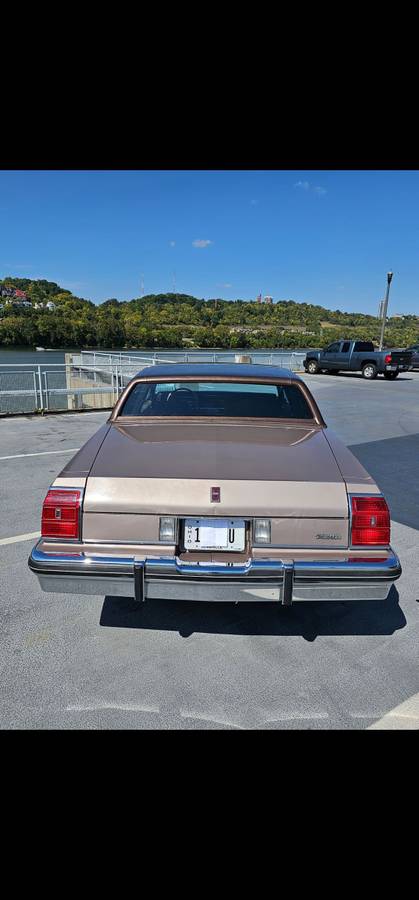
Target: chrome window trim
{"points": [[317, 418]]}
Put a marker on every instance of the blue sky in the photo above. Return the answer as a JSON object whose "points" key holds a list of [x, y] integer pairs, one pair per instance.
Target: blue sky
{"points": [[326, 237]]}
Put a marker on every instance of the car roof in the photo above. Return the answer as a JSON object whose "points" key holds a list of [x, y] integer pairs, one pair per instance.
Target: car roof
{"points": [[225, 370]]}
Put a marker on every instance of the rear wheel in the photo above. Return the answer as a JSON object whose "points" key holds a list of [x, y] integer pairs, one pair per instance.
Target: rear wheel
{"points": [[390, 375], [369, 371], [312, 367]]}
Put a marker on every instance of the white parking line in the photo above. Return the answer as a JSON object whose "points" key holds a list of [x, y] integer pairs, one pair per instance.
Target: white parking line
{"points": [[41, 453], [20, 537], [405, 716]]}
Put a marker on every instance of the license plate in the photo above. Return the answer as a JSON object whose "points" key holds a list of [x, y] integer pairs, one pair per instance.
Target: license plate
{"points": [[391, 368], [214, 534]]}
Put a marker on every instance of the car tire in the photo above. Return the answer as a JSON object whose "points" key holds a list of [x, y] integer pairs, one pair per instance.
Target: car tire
{"points": [[390, 375], [369, 371], [312, 367]]}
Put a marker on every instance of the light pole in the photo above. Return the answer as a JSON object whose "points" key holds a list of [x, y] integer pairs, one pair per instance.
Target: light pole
{"points": [[385, 305]]}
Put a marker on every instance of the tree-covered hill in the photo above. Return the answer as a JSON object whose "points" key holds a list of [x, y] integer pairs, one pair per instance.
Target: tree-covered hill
{"points": [[176, 320]]}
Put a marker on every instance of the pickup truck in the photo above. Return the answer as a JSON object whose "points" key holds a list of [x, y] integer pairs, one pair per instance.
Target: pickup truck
{"points": [[358, 356]]}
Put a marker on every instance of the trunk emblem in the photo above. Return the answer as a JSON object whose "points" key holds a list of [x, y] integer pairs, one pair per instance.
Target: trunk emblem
{"points": [[215, 495]]}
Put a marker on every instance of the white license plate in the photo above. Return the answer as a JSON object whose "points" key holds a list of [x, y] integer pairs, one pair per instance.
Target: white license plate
{"points": [[214, 534], [391, 368]]}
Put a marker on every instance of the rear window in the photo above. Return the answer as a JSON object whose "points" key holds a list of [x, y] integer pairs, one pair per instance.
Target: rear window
{"points": [[209, 398], [364, 345]]}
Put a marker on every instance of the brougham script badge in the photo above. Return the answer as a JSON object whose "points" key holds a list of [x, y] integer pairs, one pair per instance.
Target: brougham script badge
{"points": [[215, 495]]}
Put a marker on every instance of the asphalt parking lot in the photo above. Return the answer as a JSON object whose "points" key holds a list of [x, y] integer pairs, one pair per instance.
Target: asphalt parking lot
{"points": [[68, 661]]}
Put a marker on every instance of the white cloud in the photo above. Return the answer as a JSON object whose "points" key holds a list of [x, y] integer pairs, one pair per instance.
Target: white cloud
{"points": [[306, 186], [224, 284], [200, 243], [172, 243]]}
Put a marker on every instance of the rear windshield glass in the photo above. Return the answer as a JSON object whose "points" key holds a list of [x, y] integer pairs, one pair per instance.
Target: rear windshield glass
{"points": [[364, 345], [206, 398]]}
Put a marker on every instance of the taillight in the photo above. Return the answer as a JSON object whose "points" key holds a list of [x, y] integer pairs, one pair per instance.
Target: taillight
{"points": [[387, 359], [61, 514], [370, 522]]}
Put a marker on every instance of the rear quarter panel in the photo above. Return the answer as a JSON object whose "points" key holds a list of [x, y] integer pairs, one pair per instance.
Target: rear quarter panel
{"points": [[80, 465], [356, 478]]}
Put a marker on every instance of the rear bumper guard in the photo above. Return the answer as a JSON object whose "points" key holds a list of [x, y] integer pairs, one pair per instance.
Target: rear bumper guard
{"points": [[171, 578]]}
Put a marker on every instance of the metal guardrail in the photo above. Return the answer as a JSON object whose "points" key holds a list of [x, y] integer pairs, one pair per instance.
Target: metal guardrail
{"points": [[289, 359], [28, 388], [95, 379]]}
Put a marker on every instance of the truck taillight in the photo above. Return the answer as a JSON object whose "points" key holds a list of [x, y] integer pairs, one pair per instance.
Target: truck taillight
{"points": [[61, 514], [370, 522], [387, 359]]}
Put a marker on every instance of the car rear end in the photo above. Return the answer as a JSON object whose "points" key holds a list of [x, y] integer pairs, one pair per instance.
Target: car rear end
{"points": [[206, 557], [216, 510]]}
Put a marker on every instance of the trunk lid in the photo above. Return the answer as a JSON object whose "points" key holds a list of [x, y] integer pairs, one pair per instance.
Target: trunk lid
{"points": [[169, 468]]}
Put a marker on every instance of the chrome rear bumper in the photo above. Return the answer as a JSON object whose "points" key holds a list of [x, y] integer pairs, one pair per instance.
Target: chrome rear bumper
{"points": [[258, 579]]}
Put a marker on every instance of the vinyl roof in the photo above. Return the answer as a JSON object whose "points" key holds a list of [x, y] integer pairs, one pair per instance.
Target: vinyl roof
{"points": [[225, 370]]}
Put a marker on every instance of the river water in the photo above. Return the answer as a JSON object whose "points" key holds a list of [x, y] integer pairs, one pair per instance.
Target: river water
{"points": [[19, 355]]}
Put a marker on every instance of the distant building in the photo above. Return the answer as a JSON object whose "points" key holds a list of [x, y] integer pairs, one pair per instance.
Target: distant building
{"points": [[12, 292], [259, 298], [50, 305], [19, 303], [268, 299]]}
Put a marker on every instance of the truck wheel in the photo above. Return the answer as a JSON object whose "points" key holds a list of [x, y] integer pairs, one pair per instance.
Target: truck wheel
{"points": [[312, 367], [369, 371], [390, 375]]}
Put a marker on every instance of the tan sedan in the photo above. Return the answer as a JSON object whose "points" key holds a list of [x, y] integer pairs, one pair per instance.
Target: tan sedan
{"points": [[216, 482]]}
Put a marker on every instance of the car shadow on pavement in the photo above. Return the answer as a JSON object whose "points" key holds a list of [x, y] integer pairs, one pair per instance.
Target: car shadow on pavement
{"points": [[394, 465], [308, 620]]}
